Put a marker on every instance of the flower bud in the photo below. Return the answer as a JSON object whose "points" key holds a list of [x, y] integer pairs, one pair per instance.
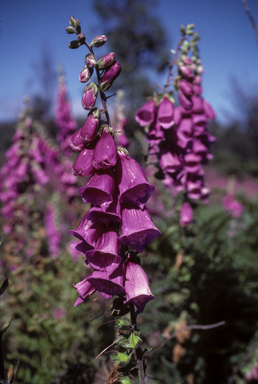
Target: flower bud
{"points": [[98, 41], [72, 21], [89, 97], [81, 38], [74, 44], [90, 127], [107, 60], [70, 30], [85, 74], [90, 60], [109, 76]]}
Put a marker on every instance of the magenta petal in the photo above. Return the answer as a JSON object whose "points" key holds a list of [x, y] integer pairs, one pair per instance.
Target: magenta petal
{"points": [[197, 104], [100, 188], [76, 142], [137, 287], [105, 155], [89, 129], [169, 162], [131, 181], [137, 227], [109, 212], [146, 114], [110, 285], [83, 164], [186, 87], [156, 133], [192, 162], [165, 115], [88, 231], [186, 214], [84, 289], [184, 101], [105, 256], [208, 110]]}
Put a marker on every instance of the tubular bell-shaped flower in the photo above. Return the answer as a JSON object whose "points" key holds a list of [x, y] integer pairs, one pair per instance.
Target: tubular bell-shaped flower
{"points": [[137, 227], [105, 154], [100, 188], [132, 182], [137, 286]]}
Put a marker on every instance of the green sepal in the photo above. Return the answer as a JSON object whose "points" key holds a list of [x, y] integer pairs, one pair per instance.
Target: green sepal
{"points": [[6, 325], [182, 30], [121, 359], [123, 323], [135, 341]]}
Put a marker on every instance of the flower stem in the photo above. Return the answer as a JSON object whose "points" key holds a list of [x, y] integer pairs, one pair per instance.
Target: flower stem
{"points": [[138, 351]]}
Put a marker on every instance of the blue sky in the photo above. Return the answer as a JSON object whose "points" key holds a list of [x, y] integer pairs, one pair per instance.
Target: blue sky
{"points": [[228, 47]]}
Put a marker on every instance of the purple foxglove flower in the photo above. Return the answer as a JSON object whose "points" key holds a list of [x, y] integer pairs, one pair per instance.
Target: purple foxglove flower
{"points": [[89, 97], [137, 227], [186, 87], [83, 165], [107, 60], [199, 148], [194, 184], [208, 110], [199, 119], [88, 231], [156, 134], [186, 214], [137, 286], [192, 162], [84, 289], [90, 128], [105, 155], [197, 104], [100, 188], [131, 181], [106, 283], [109, 212], [85, 74], [169, 162], [197, 89], [184, 132], [184, 101], [76, 142], [146, 114], [186, 72], [110, 76], [105, 255], [165, 115]]}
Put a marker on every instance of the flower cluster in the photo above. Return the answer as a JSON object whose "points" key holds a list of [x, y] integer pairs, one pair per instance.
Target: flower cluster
{"points": [[117, 190], [178, 138], [21, 178]]}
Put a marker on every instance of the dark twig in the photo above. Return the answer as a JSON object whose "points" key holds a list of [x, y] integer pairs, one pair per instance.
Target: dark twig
{"points": [[250, 17]]}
